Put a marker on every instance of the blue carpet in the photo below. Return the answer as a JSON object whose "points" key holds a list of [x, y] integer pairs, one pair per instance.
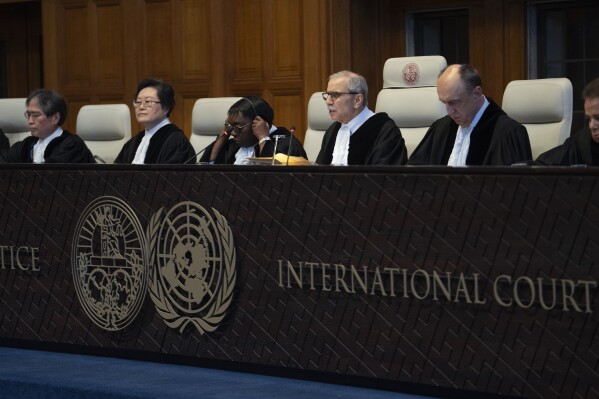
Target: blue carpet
{"points": [[37, 374]]}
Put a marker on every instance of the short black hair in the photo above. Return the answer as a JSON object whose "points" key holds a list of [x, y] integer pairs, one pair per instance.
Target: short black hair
{"points": [[165, 92], [253, 106], [50, 102], [591, 90]]}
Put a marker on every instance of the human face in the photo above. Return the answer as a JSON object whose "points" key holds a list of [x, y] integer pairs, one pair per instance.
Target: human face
{"points": [[150, 115], [41, 126], [346, 106], [591, 113], [245, 137], [461, 103]]}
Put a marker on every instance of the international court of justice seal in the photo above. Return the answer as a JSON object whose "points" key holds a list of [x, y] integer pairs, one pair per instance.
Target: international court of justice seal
{"points": [[109, 263], [194, 266]]}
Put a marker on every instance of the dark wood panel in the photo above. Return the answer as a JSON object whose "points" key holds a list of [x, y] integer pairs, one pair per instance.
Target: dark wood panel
{"points": [[196, 40], [20, 29], [77, 46], [110, 52]]}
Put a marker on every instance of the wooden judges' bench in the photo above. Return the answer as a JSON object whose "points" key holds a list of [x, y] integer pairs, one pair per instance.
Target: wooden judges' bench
{"points": [[435, 280]]}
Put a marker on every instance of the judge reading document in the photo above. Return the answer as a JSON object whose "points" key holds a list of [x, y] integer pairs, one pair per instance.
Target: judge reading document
{"points": [[249, 132], [475, 130], [161, 142], [358, 136], [46, 111], [583, 146]]}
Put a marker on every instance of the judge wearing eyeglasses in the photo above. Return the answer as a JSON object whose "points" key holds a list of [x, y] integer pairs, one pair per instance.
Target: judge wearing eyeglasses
{"points": [[46, 111], [249, 132], [358, 136], [161, 142]]}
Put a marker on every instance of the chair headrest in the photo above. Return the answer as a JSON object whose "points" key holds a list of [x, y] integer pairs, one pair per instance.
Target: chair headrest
{"points": [[538, 100], [209, 114], [318, 113], [104, 122], [12, 118], [412, 71]]}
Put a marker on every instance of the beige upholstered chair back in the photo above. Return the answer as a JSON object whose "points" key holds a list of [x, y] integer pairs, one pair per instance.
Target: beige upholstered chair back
{"points": [[208, 118], [318, 122], [105, 128], [544, 106], [12, 119], [409, 95]]}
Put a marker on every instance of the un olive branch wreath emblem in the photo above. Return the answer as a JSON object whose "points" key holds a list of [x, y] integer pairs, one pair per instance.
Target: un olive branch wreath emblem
{"points": [[221, 301]]}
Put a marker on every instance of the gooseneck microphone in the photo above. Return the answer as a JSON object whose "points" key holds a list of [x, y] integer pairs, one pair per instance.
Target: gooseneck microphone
{"points": [[291, 130], [222, 134]]}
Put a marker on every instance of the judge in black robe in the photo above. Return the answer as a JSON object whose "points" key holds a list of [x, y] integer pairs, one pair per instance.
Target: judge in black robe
{"points": [[578, 149], [287, 145], [4, 143], [377, 142], [372, 139], [66, 148], [46, 112], [154, 101], [495, 138], [249, 131], [169, 145]]}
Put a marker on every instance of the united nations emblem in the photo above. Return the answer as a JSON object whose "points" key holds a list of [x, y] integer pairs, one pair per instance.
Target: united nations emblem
{"points": [[411, 74], [109, 261], [194, 266]]}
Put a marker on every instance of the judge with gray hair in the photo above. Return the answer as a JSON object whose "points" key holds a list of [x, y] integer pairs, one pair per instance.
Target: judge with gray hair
{"points": [[358, 136]]}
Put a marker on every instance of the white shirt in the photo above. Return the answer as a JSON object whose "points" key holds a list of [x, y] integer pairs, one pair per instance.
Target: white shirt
{"points": [[140, 154], [247, 152], [39, 148], [341, 150], [461, 146]]}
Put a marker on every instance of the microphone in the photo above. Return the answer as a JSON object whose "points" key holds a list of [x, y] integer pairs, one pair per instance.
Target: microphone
{"points": [[291, 130], [222, 134]]}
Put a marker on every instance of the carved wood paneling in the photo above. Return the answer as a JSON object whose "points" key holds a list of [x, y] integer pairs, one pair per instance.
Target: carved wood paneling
{"points": [[76, 47], [196, 48], [159, 27], [110, 52], [286, 38], [247, 25]]}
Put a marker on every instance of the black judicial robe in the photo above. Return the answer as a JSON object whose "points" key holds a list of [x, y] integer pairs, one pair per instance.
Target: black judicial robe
{"points": [[169, 145], [577, 149], [288, 145], [377, 142], [66, 148], [496, 139], [4, 143]]}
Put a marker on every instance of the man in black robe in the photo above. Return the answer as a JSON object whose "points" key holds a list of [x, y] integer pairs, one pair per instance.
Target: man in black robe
{"points": [[475, 130], [358, 136], [48, 143], [161, 142], [250, 132], [583, 146]]}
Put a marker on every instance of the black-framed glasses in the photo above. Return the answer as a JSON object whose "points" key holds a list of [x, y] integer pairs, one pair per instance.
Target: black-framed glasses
{"points": [[145, 103], [33, 115], [237, 128], [334, 95]]}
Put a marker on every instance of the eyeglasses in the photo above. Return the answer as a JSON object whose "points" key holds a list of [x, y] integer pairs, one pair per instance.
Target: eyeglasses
{"points": [[145, 103], [334, 95], [33, 115], [238, 128]]}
